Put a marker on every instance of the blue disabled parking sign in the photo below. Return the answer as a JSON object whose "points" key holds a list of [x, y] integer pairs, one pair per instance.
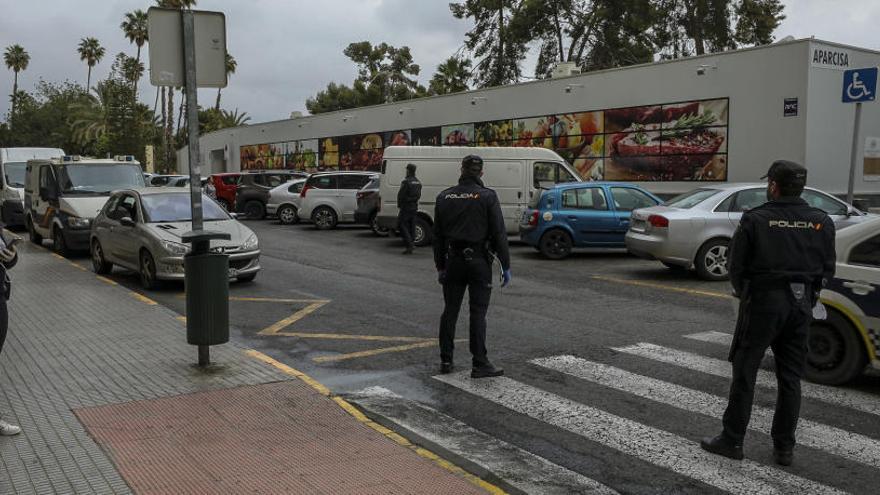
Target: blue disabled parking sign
{"points": [[859, 85]]}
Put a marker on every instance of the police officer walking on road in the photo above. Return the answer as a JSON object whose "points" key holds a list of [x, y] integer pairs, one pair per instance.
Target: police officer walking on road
{"points": [[408, 197], [781, 256], [468, 231]]}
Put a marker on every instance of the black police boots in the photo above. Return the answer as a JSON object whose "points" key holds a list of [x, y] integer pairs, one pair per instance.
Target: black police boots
{"points": [[445, 368], [783, 457], [721, 446], [486, 371]]}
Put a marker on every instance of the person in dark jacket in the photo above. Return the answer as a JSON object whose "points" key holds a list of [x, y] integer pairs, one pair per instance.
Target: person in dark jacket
{"points": [[8, 259], [408, 197], [468, 231], [781, 256]]}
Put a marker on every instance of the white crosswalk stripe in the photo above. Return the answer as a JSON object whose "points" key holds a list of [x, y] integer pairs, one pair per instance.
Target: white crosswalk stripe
{"points": [[711, 337], [649, 444], [522, 470], [860, 401], [852, 446]]}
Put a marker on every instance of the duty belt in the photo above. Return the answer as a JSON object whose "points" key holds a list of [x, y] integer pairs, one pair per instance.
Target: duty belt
{"points": [[467, 251]]}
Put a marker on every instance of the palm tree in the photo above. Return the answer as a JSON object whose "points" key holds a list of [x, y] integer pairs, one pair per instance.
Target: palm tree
{"points": [[135, 28], [17, 59], [231, 65], [92, 52], [452, 76]]}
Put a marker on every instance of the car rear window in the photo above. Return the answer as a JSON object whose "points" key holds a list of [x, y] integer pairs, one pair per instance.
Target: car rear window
{"points": [[323, 182], [691, 199], [353, 181], [230, 180]]}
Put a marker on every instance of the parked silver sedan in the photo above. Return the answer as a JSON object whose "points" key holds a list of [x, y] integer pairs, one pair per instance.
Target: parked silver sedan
{"points": [[284, 201], [141, 229], [693, 231]]}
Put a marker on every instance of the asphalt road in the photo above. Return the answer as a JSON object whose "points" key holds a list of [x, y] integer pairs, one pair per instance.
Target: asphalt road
{"points": [[606, 380]]}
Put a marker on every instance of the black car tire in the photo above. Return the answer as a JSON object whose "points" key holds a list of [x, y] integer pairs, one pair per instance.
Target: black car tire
{"points": [[836, 351], [324, 218], [147, 271], [711, 262], [255, 210], [247, 278], [59, 243], [32, 233], [100, 264], [423, 234], [287, 215], [555, 244], [377, 229]]}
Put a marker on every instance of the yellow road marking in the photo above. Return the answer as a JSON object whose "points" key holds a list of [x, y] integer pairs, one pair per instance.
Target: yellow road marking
{"points": [[672, 288], [105, 280], [180, 318], [275, 328], [361, 418], [142, 298], [373, 352], [77, 265]]}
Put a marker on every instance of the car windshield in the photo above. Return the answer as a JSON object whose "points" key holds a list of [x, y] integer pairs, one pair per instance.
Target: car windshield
{"points": [[95, 178], [691, 199], [14, 173], [175, 207]]}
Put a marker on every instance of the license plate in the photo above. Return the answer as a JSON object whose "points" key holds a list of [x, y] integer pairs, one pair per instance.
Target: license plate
{"points": [[638, 225]]}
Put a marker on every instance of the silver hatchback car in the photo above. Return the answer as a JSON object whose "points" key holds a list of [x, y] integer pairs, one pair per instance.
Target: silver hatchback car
{"points": [[141, 229], [693, 231]]}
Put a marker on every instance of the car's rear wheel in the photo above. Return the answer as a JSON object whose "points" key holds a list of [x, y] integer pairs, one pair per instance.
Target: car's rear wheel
{"points": [[32, 233], [324, 218], [711, 262], [99, 263], [378, 229], [59, 243], [287, 215], [423, 234], [255, 210], [147, 271], [555, 244], [836, 353]]}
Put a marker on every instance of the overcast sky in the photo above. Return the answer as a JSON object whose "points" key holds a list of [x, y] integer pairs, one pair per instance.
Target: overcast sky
{"points": [[287, 50]]}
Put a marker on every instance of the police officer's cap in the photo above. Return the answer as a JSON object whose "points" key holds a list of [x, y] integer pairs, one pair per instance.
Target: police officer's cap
{"points": [[786, 173], [411, 167], [472, 162]]}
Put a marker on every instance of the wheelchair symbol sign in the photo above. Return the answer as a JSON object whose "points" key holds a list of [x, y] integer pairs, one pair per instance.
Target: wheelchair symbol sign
{"points": [[859, 85]]}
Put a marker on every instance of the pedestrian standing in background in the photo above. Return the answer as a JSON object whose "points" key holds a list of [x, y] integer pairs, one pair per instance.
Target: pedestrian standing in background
{"points": [[408, 197], [468, 230], [782, 254], [8, 259]]}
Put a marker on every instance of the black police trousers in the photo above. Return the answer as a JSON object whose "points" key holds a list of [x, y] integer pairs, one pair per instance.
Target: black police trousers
{"points": [[475, 276], [406, 222], [778, 322], [4, 320]]}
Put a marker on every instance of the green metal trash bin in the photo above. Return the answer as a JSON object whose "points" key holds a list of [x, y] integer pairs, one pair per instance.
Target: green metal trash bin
{"points": [[207, 298]]}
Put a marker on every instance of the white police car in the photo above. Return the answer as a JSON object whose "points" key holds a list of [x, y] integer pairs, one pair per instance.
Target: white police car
{"points": [[849, 339]]}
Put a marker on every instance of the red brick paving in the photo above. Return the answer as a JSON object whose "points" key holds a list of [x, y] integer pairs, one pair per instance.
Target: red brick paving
{"points": [[274, 438]]}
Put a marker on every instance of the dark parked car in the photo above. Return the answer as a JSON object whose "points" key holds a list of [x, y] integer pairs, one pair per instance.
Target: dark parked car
{"points": [[368, 204], [253, 191]]}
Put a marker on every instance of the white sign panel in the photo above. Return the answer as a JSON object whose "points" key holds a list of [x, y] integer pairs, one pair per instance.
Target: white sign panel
{"points": [[166, 48], [830, 57]]}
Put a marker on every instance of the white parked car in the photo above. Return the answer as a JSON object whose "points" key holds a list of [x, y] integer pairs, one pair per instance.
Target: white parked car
{"points": [[693, 231], [285, 201], [330, 198]]}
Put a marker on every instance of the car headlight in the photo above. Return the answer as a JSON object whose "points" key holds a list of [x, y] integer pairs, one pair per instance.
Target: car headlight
{"points": [[175, 248], [251, 243], [78, 222]]}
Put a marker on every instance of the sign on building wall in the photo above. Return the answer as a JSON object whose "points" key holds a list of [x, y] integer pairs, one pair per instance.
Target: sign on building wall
{"points": [[684, 141], [790, 107], [871, 171], [830, 57]]}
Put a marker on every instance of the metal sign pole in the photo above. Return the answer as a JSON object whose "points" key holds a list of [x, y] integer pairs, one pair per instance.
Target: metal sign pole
{"points": [[192, 115], [853, 154]]}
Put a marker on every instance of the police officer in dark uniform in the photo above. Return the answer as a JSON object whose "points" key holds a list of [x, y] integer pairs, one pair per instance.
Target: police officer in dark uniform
{"points": [[468, 230], [408, 203], [781, 256]]}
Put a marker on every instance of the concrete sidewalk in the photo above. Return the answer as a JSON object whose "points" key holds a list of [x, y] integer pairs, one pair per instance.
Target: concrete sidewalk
{"points": [[102, 383]]}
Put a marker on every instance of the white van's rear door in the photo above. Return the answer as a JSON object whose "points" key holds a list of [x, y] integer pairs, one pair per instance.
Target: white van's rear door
{"points": [[507, 177]]}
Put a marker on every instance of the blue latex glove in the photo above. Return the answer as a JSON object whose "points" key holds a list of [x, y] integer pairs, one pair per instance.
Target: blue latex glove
{"points": [[505, 277], [441, 276]]}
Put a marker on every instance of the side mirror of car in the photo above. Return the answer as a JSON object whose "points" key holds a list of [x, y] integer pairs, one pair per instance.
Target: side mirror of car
{"points": [[126, 222]]}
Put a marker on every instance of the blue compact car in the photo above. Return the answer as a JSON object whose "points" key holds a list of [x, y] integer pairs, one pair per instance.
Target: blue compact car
{"points": [[581, 214]]}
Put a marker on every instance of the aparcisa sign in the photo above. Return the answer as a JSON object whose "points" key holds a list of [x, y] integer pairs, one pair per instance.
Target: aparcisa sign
{"points": [[830, 57]]}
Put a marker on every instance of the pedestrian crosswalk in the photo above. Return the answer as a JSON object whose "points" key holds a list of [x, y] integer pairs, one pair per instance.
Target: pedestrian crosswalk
{"points": [[599, 422]]}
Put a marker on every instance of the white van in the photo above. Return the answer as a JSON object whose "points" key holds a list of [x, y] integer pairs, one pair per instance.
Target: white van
{"points": [[63, 195], [13, 162], [516, 174]]}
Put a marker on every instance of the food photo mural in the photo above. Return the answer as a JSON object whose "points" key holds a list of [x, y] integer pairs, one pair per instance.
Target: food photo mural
{"points": [[684, 141]]}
